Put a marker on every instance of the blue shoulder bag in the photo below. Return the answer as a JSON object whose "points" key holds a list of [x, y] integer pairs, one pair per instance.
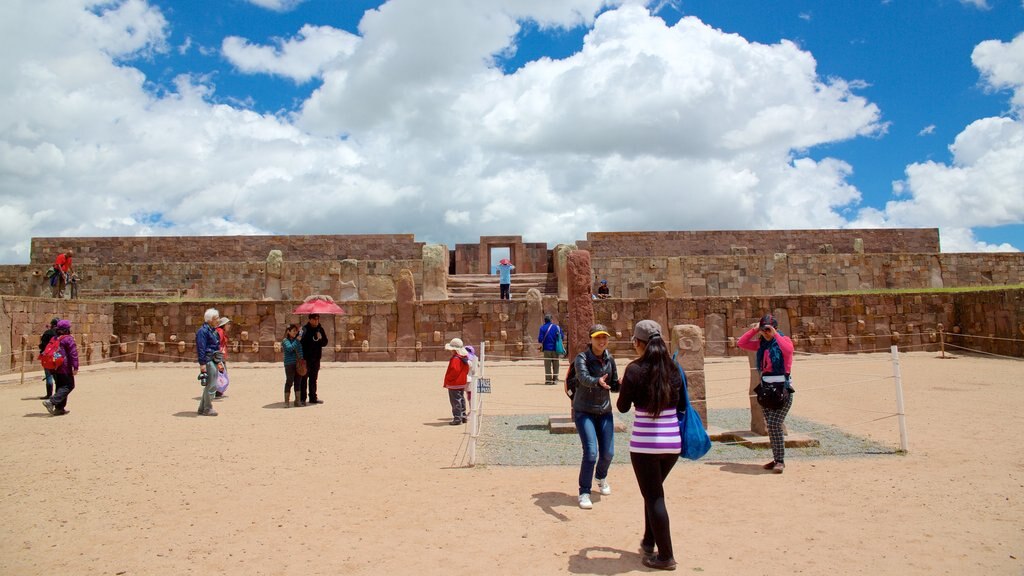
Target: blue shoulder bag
{"points": [[696, 442]]}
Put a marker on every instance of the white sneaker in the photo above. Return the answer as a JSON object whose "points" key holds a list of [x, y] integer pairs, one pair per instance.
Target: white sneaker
{"points": [[605, 487], [585, 502]]}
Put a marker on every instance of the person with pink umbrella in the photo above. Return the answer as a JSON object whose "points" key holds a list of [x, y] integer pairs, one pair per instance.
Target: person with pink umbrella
{"points": [[313, 339]]}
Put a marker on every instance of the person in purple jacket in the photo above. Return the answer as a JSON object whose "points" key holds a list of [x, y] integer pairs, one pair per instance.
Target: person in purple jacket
{"points": [[64, 375]]}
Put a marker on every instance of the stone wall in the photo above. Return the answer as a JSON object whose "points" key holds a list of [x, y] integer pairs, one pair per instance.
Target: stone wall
{"points": [[125, 249], [762, 275], [989, 321], [373, 279], [92, 323], [765, 242]]}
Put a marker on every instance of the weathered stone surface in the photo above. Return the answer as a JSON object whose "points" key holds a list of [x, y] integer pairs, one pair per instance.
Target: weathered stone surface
{"points": [[347, 291], [560, 256], [379, 288], [581, 302], [714, 331], [406, 344], [688, 341], [272, 276], [435, 272]]}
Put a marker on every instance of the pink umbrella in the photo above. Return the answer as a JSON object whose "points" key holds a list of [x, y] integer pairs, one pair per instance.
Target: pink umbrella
{"points": [[318, 304]]}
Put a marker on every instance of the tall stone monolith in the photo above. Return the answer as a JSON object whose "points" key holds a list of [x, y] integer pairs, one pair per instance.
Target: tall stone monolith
{"points": [[580, 300], [534, 320], [560, 255], [435, 272], [688, 341], [406, 294], [272, 275]]}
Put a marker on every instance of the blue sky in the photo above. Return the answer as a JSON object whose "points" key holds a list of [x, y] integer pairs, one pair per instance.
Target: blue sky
{"points": [[453, 119]]}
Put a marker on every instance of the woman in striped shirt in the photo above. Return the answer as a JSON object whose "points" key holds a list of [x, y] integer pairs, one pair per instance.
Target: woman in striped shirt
{"points": [[652, 384]]}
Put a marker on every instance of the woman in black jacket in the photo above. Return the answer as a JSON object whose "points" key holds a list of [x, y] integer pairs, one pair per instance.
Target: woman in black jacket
{"points": [[596, 376]]}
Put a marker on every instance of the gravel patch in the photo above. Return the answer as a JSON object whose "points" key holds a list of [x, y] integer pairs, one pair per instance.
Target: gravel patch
{"points": [[524, 440]]}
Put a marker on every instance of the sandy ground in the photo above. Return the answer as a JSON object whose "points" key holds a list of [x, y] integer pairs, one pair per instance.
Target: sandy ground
{"points": [[373, 482]]}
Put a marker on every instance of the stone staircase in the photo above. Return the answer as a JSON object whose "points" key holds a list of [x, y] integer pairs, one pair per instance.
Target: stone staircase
{"points": [[485, 287]]}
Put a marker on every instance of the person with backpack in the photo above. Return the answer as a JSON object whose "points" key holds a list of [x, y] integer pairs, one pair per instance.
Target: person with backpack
{"points": [[774, 363], [549, 336], [66, 367], [653, 384], [211, 361], [63, 270], [44, 339], [595, 376]]}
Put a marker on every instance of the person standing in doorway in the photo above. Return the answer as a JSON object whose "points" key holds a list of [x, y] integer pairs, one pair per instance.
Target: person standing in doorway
{"points": [[504, 272], [548, 337], [210, 359], [596, 377], [64, 375], [313, 340], [43, 341]]}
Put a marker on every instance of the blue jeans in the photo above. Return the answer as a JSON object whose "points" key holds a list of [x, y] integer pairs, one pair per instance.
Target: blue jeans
{"points": [[597, 432]]}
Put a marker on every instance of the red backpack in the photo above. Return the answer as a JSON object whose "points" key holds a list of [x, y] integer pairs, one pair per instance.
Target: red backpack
{"points": [[52, 358]]}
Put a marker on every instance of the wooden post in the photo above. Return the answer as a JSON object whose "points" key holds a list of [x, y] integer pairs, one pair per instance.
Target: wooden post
{"points": [[138, 349], [24, 355]]}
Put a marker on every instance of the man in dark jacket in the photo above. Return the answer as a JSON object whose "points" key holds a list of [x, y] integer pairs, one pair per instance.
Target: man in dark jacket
{"points": [[43, 341], [313, 340]]}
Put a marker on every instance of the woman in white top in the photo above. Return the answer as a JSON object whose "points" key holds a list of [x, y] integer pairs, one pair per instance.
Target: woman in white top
{"points": [[652, 384]]}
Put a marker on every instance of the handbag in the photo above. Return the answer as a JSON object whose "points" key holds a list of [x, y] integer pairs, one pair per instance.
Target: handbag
{"points": [[300, 367], [559, 346], [695, 439], [222, 382], [772, 392]]}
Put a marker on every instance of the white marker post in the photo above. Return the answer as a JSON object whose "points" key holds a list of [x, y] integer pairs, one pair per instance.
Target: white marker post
{"points": [[900, 415]]}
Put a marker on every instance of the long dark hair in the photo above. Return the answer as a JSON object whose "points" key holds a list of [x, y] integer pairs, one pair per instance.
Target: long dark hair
{"points": [[659, 367], [290, 328]]}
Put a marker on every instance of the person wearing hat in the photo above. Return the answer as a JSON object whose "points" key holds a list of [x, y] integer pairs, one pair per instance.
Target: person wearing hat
{"points": [[602, 290], [313, 338], [548, 337], [455, 379], [774, 360], [504, 271], [64, 375], [652, 384], [596, 376], [222, 333], [44, 339]]}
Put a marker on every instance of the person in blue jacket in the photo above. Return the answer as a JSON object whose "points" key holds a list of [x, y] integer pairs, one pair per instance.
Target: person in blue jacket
{"points": [[548, 337], [504, 271]]}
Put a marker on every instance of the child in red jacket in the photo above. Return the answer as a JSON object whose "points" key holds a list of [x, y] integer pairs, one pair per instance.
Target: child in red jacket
{"points": [[455, 380]]}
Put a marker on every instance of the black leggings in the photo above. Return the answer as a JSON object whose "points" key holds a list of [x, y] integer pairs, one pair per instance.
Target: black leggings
{"points": [[651, 471]]}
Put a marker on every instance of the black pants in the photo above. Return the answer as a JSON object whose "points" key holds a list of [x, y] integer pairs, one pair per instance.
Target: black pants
{"points": [[651, 471], [308, 382], [64, 384], [506, 291], [290, 379]]}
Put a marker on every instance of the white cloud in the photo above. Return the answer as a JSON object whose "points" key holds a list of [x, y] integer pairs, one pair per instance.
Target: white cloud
{"points": [[984, 184], [979, 4], [1002, 66], [300, 58], [927, 130], [276, 5], [414, 129]]}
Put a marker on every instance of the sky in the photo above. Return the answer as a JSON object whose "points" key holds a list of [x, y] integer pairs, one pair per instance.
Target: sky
{"points": [[455, 119]]}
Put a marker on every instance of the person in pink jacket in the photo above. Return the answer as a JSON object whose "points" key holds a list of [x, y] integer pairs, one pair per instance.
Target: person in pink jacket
{"points": [[64, 375], [774, 360]]}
